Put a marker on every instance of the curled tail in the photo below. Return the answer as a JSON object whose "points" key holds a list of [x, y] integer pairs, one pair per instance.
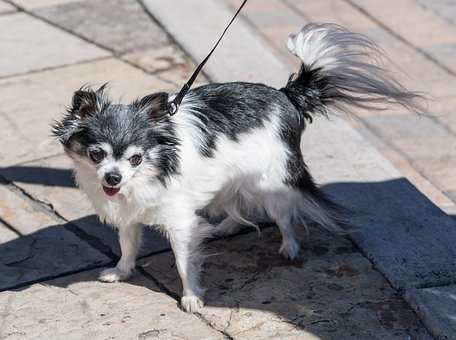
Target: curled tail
{"points": [[341, 69]]}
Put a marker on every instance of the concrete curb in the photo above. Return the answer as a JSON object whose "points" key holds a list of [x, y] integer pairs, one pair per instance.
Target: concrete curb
{"points": [[406, 237]]}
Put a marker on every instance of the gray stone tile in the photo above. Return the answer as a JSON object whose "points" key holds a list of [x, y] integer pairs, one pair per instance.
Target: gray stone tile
{"points": [[444, 110], [441, 172], [77, 307], [408, 238], [51, 182], [435, 30], [234, 52], [418, 137], [47, 249], [25, 120], [443, 8], [159, 59], [6, 234], [437, 308], [34, 4], [393, 219], [6, 8], [443, 52], [120, 25], [330, 292], [29, 44], [167, 63]]}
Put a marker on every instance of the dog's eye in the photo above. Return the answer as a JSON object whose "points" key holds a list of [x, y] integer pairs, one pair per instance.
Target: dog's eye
{"points": [[97, 155], [135, 160]]}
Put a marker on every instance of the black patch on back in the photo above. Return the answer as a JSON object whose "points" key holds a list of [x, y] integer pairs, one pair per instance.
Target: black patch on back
{"points": [[231, 109]]}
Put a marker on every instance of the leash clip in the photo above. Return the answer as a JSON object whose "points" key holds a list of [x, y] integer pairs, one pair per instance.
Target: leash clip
{"points": [[174, 105], [172, 108]]}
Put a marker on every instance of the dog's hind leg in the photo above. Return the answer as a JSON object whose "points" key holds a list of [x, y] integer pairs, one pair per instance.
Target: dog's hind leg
{"points": [[279, 206], [298, 202]]}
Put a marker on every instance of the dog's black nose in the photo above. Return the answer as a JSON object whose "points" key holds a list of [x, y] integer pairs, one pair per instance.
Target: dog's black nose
{"points": [[113, 178]]}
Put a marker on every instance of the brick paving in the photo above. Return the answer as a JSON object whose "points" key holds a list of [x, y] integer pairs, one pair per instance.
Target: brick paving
{"points": [[52, 246]]}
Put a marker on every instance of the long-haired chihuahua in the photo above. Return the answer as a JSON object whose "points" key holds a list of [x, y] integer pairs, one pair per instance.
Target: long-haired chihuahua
{"points": [[231, 152]]}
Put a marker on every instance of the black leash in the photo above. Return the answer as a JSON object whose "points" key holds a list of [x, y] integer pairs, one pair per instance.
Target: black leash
{"points": [[173, 106]]}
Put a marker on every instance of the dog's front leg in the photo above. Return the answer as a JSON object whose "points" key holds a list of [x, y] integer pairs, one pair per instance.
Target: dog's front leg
{"points": [[130, 242], [186, 234]]}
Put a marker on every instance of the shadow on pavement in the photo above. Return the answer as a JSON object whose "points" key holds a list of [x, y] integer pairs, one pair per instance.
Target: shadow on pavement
{"points": [[330, 289], [39, 175]]}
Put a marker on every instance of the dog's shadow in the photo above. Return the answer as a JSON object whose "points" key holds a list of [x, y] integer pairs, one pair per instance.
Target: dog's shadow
{"points": [[330, 289]]}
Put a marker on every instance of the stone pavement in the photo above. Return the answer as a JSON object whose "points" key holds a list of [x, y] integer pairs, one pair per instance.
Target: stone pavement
{"points": [[52, 246]]}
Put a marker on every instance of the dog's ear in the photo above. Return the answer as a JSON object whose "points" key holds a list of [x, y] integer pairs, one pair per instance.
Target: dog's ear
{"points": [[155, 105], [86, 102]]}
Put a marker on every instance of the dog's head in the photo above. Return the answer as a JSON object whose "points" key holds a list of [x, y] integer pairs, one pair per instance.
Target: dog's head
{"points": [[115, 143]]}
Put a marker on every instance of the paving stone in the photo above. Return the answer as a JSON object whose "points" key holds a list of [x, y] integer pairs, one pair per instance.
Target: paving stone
{"points": [[445, 52], [452, 195], [51, 181], [34, 4], [439, 171], [443, 8], [46, 250], [19, 213], [158, 59], [444, 110], [6, 234], [78, 307], [421, 180], [330, 292], [26, 122], [120, 25], [393, 220], [418, 137], [168, 63], [231, 54], [436, 306], [275, 21], [404, 166], [45, 41], [332, 11], [6, 8], [435, 31]]}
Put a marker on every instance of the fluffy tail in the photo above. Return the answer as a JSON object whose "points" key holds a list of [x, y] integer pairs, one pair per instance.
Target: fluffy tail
{"points": [[341, 69]]}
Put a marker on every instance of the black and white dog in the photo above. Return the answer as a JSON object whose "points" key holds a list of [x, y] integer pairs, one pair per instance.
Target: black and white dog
{"points": [[232, 151]]}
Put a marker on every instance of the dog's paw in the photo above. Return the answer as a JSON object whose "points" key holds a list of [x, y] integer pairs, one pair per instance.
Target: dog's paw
{"points": [[191, 303], [289, 249], [114, 275]]}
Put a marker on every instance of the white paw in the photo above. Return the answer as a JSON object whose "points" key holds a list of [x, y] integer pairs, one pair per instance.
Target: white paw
{"points": [[114, 275], [191, 303], [289, 249]]}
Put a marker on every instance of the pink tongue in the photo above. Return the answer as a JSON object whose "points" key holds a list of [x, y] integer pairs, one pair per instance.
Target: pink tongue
{"points": [[110, 191]]}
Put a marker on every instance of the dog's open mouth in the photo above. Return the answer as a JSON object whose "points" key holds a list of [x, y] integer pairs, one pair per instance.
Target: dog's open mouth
{"points": [[110, 191]]}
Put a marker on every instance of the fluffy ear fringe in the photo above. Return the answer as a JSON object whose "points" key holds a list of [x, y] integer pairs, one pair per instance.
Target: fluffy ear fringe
{"points": [[85, 103], [155, 105]]}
